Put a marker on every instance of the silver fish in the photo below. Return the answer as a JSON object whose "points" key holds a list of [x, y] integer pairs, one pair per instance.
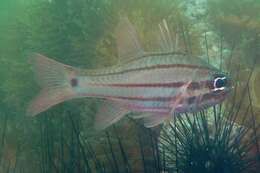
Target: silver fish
{"points": [[153, 84]]}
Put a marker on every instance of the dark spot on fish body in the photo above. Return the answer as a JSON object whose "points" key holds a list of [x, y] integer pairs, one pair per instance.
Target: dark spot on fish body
{"points": [[74, 82]]}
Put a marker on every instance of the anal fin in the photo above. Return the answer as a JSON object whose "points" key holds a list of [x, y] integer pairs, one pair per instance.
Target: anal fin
{"points": [[155, 119], [109, 113]]}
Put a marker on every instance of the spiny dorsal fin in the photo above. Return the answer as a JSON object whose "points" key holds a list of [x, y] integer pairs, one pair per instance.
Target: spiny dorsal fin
{"points": [[128, 44], [165, 38]]}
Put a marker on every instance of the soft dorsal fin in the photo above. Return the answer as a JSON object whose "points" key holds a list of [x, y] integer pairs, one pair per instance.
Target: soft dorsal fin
{"points": [[128, 44]]}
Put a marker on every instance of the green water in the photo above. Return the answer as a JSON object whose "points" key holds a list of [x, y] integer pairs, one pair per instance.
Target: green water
{"points": [[81, 33]]}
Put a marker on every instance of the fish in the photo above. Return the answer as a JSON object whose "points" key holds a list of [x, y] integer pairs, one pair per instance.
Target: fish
{"points": [[152, 86]]}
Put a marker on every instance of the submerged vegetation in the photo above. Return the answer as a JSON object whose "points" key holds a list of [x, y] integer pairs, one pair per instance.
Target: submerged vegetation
{"points": [[80, 33], [211, 142]]}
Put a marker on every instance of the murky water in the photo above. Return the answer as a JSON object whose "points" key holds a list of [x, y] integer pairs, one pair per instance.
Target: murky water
{"points": [[84, 34]]}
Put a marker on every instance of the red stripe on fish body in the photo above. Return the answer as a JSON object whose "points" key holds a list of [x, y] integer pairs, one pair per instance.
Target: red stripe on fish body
{"points": [[147, 82], [147, 78]]}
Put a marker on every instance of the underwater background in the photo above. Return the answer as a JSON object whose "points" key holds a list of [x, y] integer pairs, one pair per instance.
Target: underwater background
{"points": [[221, 139]]}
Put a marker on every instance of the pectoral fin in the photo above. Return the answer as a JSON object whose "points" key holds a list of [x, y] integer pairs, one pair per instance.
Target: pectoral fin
{"points": [[183, 93], [109, 113]]}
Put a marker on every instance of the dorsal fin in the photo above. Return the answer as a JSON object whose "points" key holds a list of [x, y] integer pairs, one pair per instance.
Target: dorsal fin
{"points": [[128, 44], [165, 38]]}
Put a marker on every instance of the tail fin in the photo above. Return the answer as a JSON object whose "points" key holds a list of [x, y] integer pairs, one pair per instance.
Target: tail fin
{"points": [[55, 79]]}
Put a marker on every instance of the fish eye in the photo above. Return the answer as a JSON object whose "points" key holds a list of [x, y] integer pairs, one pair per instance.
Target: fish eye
{"points": [[220, 82]]}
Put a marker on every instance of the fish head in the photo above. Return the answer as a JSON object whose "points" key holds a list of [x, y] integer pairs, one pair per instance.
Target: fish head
{"points": [[218, 88], [209, 92]]}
